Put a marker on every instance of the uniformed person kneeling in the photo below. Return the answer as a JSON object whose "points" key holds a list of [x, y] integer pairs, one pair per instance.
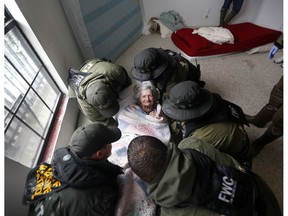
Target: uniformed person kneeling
{"points": [[197, 179], [97, 85], [164, 68], [80, 180], [199, 113]]}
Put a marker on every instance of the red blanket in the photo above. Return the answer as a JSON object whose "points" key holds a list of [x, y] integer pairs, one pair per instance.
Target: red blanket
{"points": [[246, 37]]}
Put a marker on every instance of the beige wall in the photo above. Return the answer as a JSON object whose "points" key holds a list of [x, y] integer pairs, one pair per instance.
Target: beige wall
{"points": [[266, 13]]}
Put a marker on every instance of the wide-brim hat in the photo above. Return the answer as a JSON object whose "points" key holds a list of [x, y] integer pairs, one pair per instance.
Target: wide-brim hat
{"points": [[89, 138], [187, 101], [100, 96], [149, 64]]}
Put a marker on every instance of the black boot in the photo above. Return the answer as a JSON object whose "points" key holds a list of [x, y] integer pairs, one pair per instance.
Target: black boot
{"points": [[222, 16], [229, 17], [268, 137]]}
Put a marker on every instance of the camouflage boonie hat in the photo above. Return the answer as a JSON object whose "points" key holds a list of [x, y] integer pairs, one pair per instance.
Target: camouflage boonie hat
{"points": [[187, 101], [149, 64]]}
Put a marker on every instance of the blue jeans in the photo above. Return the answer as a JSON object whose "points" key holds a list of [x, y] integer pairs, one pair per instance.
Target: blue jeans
{"points": [[237, 4]]}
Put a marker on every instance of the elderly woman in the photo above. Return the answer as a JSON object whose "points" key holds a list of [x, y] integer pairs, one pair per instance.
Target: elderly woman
{"points": [[147, 97], [141, 117]]}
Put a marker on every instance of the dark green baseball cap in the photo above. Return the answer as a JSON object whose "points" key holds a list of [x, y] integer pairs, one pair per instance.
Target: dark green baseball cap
{"points": [[91, 137]]}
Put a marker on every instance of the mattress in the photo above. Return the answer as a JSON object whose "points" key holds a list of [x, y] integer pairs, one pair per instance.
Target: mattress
{"points": [[246, 36], [104, 28]]}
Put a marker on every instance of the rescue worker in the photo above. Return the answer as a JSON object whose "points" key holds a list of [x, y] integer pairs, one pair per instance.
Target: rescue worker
{"points": [[80, 180], [197, 179], [97, 85], [196, 112], [164, 68], [272, 111]]}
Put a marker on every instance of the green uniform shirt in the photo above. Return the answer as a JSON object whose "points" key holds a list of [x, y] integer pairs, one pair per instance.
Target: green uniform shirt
{"points": [[174, 184], [104, 72], [228, 137]]}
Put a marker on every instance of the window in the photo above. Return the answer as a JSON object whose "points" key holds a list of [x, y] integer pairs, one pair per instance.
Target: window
{"points": [[31, 98]]}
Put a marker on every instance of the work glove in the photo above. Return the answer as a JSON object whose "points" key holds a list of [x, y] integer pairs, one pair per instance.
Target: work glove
{"points": [[273, 51]]}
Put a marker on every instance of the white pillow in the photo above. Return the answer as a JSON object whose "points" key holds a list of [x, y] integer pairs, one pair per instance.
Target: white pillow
{"points": [[216, 35]]}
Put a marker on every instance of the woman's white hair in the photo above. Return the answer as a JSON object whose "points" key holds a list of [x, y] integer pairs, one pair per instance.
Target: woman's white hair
{"points": [[138, 88]]}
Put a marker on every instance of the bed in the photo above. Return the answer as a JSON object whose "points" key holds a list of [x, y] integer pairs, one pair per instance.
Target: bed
{"points": [[246, 36]]}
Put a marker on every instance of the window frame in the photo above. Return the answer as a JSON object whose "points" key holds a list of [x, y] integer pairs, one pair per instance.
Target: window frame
{"points": [[53, 125]]}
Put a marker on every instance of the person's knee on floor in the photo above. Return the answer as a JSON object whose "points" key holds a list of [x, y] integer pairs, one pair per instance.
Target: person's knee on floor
{"points": [[158, 165], [266, 113], [262, 117], [274, 131]]}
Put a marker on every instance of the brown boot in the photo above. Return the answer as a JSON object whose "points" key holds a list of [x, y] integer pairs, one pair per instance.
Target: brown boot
{"points": [[269, 136], [275, 103], [262, 117]]}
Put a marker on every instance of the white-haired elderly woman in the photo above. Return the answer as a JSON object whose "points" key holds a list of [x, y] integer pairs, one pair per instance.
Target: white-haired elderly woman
{"points": [[147, 97], [144, 116]]}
